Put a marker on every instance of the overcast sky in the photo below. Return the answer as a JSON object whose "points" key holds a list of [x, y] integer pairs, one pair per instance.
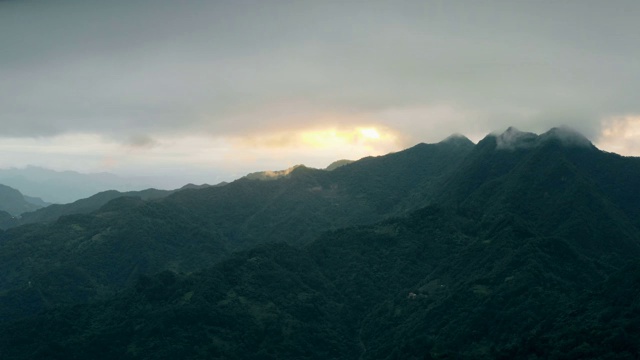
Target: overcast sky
{"points": [[204, 91]]}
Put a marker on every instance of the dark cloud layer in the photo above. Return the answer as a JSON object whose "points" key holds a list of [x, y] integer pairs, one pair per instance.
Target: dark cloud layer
{"points": [[137, 69]]}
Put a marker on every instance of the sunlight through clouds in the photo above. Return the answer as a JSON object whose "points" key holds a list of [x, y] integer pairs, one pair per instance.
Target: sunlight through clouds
{"points": [[313, 147], [201, 158], [370, 133], [152, 88], [621, 135], [369, 138]]}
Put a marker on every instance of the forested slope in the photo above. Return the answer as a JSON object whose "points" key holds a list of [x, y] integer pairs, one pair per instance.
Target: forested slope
{"points": [[521, 246]]}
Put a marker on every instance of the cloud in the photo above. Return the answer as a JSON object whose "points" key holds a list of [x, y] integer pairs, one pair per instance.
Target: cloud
{"points": [[141, 141], [63, 152], [369, 137], [142, 67], [621, 134], [315, 147], [212, 90], [513, 139]]}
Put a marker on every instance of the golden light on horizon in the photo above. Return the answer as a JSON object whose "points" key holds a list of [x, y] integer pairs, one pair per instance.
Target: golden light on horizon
{"points": [[314, 147], [357, 137]]}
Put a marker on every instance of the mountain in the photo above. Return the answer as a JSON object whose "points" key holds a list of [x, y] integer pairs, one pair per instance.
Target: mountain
{"points": [[7, 220], [520, 246], [559, 169], [85, 206], [13, 202], [194, 186], [103, 251], [35, 201], [64, 186], [437, 284], [271, 175]]}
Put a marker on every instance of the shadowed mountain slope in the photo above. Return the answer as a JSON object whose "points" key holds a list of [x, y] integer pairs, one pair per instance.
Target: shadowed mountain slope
{"points": [[555, 180], [13, 202], [526, 253], [88, 205], [87, 256], [437, 284], [297, 207], [64, 186]]}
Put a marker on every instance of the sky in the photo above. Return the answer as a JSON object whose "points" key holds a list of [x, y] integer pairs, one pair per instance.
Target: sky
{"points": [[207, 91]]}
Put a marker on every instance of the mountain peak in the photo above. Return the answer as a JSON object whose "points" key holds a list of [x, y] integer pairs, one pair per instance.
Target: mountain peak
{"points": [[272, 175], [513, 139], [339, 163], [457, 139], [566, 136]]}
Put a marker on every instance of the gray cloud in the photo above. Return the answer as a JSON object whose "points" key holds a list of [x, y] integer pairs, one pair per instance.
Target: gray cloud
{"points": [[229, 67], [141, 141]]}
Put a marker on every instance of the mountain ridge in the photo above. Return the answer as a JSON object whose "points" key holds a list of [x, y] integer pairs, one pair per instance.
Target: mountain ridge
{"points": [[446, 250], [64, 186], [15, 203], [512, 138]]}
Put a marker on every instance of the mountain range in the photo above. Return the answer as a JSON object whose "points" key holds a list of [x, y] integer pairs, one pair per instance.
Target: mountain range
{"points": [[14, 203], [63, 187], [519, 246]]}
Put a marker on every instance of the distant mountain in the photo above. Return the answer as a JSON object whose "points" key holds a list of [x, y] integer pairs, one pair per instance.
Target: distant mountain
{"points": [[194, 186], [85, 206], [35, 201], [520, 246], [88, 205], [66, 186], [13, 202]]}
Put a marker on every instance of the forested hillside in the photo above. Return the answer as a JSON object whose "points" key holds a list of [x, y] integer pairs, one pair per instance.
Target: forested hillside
{"points": [[85, 206], [82, 257], [522, 246]]}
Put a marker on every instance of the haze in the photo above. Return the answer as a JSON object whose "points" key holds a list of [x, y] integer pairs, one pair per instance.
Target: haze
{"points": [[206, 91]]}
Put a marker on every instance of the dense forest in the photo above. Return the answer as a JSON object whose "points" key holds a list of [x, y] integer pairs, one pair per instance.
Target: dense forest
{"points": [[520, 246]]}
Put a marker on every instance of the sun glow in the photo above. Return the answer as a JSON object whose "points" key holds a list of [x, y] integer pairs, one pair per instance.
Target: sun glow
{"points": [[317, 147], [357, 137], [202, 158], [370, 133]]}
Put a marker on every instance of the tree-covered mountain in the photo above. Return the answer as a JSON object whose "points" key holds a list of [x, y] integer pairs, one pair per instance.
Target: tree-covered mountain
{"points": [[7, 220], [93, 203], [15, 203], [103, 251], [437, 284], [88, 205], [522, 246], [272, 175]]}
